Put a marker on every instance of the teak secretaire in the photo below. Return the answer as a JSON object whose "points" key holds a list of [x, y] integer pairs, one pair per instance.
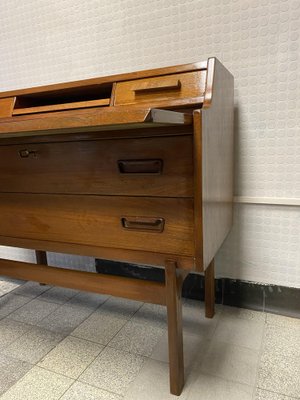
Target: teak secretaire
{"points": [[135, 167]]}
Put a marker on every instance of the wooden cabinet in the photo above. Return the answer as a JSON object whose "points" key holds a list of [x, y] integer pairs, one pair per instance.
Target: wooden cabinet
{"points": [[134, 167]]}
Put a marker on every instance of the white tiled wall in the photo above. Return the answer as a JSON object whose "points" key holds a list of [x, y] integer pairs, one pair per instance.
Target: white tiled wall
{"points": [[44, 41]]}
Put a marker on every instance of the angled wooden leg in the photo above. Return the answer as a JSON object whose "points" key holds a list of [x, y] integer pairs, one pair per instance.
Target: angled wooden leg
{"points": [[174, 282], [41, 258], [209, 278]]}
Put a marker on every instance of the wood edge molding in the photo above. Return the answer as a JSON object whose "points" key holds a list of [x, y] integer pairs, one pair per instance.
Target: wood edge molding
{"points": [[208, 95], [212, 64], [197, 156]]}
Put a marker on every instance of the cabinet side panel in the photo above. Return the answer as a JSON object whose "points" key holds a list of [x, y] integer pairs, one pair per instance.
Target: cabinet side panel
{"points": [[217, 161]]}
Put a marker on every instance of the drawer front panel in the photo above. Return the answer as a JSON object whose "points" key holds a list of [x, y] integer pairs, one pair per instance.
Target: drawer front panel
{"points": [[160, 166], [170, 87], [148, 224]]}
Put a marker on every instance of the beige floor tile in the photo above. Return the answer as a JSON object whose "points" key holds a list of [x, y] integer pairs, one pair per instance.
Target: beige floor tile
{"points": [[230, 362], [38, 384], [282, 340], [209, 387], [194, 347], [10, 331], [279, 373], [64, 319], [113, 370], [33, 345], [99, 327], [11, 302], [137, 338], [152, 383], [71, 357], [241, 332], [58, 295], [82, 391], [244, 313], [33, 312], [265, 395], [280, 320], [31, 289], [11, 371]]}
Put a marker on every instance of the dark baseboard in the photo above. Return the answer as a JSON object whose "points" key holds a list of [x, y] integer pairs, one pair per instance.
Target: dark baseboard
{"points": [[269, 298]]}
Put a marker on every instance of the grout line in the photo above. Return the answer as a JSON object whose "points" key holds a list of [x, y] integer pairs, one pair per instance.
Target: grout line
{"points": [[66, 390], [104, 345], [54, 332], [7, 315], [127, 321], [280, 394]]}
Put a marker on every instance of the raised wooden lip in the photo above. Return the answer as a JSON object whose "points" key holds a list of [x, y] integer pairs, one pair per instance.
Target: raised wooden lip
{"points": [[91, 119], [106, 79], [61, 107]]}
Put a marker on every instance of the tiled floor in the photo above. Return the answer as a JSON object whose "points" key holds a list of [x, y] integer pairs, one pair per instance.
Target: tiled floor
{"points": [[62, 344]]}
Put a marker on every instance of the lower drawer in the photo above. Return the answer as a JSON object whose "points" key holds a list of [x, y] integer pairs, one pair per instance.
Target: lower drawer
{"points": [[163, 225]]}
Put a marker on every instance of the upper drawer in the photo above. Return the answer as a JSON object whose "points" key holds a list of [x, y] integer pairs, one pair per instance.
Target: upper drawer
{"points": [[157, 166], [173, 88]]}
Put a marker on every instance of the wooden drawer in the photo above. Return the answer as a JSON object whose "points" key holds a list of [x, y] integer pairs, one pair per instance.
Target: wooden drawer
{"points": [[158, 166], [169, 87], [150, 224]]}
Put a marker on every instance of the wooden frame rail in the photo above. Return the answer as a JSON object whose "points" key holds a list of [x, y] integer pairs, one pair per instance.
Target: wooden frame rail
{"points": [[134, 289]]}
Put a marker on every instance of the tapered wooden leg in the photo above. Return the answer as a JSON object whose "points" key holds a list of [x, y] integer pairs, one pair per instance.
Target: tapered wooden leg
{"points": [[209, 278], [41, 258], [174, 310]]}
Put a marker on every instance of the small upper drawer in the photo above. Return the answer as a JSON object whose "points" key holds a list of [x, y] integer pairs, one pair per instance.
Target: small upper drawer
{"points": [[157, 166], [162, 88]]}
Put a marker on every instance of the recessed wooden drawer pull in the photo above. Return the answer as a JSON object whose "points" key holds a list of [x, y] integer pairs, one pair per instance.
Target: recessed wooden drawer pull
{"points": [[27, 153], [140, 166], [151, 86], [143, 223]]}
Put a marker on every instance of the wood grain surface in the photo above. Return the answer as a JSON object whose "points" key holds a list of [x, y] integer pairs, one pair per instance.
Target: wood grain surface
{"points": [[93, 167], [96, 220]]}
